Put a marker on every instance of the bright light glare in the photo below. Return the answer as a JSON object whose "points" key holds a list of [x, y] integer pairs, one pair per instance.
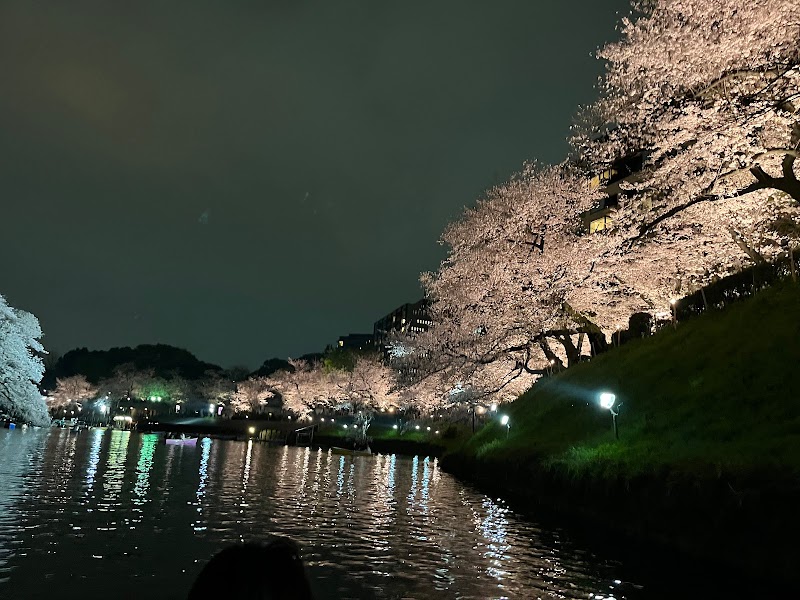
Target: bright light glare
{"points": [[417, 427], [504, 420], [252, 430], [494, 407], [607, 400], [394, 426], [345, 426]]}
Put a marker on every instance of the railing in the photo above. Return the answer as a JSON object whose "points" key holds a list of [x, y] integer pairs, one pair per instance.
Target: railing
{"points": [[735, 287]]}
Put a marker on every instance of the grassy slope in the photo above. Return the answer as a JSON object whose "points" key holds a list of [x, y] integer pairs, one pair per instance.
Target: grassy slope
{"points": [[448, 439], [721, 393]]}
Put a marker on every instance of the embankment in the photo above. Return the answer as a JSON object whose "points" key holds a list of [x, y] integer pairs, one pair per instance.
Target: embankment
{"points": [[708, 456]]}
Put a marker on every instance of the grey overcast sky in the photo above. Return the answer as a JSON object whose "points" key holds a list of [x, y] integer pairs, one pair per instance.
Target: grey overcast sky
{"points": [[254, 179]]}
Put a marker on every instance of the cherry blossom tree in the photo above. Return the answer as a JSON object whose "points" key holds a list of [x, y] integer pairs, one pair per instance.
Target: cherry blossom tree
{"points": [[70, 392], [306, 387], [250, 394], [501, 300], [217, 388], [21, 367], [368, 388], [710, 91]]}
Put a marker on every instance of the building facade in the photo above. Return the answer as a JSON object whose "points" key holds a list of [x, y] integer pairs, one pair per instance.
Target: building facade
{"points": [[357, 341], [609, 181]]}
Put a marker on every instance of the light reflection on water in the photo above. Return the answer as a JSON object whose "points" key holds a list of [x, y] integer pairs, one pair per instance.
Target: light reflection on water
{"points": [[114, 510]]}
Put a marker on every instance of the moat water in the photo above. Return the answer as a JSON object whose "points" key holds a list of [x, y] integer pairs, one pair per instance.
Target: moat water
{"points": [[101, 514]]}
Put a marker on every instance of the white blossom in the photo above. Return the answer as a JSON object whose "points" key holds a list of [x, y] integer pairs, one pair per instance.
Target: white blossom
{"points": [[21, 367]]}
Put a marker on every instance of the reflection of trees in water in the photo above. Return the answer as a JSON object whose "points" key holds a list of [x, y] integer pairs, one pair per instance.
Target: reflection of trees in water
{"points": [[147, 447], [205, 445], [65, 462], [379, 526], [22, 453], [96, 437], [114, 475]]}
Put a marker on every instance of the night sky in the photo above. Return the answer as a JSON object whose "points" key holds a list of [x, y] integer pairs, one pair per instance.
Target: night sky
{"points": [[255, 179]]}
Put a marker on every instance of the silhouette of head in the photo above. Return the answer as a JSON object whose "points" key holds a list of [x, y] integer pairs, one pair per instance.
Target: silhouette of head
{"points": [[259, 571]]}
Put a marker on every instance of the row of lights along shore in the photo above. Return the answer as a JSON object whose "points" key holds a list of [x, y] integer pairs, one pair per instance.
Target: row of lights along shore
{"points": [[607, 401]]}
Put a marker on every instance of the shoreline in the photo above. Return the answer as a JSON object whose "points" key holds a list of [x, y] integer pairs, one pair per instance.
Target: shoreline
{"points": [[752, 529]]}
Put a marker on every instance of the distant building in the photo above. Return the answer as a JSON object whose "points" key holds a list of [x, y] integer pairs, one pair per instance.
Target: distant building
{"points": [[408, 318], [625, 169], [357, 341]]}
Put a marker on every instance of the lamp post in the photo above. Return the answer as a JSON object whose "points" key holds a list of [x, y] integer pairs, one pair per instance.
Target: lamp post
{"points": [[607, 401], [674, 311], [504, 421]]}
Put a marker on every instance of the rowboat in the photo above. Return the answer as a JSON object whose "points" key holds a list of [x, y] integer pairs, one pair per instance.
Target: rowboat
{"points": [[181, 441], [349, 452]]}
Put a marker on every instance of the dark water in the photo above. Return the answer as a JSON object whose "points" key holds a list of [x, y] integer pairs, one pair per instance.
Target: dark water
{"points": [[103, 514]]}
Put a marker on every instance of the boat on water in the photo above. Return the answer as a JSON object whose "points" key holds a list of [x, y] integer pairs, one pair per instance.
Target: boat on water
{"points": [[187, 441], [350, 452]]}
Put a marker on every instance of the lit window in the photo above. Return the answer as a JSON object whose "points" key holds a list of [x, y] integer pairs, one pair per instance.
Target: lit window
{"points": [[600, 224]]}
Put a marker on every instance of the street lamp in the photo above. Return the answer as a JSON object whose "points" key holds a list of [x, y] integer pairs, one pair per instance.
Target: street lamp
{"points": [[211, 410], [607, 400], [674, 311], [504, 421]]}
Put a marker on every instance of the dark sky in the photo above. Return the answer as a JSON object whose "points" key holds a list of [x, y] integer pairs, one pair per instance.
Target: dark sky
{"points": [[254, 179]]}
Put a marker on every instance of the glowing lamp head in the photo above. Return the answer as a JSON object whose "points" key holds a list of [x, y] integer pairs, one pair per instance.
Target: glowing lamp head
{"points": [[252, 430], [504, 420], [493, 407], [394, 426], [607, 400], [416, 427], [345, 426]]}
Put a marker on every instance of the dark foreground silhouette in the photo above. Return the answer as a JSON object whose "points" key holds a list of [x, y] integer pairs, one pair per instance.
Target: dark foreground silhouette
{"points": [[258, 571]]}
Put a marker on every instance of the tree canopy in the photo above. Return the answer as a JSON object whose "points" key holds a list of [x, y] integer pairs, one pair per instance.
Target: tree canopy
{"points": [[21, 367]]}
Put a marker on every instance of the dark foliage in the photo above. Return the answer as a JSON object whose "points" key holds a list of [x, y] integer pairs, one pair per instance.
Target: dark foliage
{"points": [[166, 362]]}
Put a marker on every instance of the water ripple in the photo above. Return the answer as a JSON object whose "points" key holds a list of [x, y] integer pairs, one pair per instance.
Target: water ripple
{"points": [[110, 507]]}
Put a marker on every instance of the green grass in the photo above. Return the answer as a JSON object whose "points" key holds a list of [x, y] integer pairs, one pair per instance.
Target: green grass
{"points": [[451, 439], [719, 393]]}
